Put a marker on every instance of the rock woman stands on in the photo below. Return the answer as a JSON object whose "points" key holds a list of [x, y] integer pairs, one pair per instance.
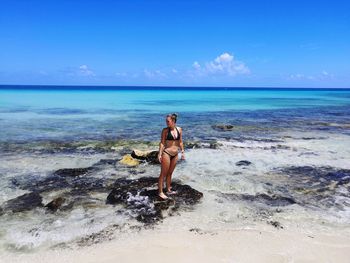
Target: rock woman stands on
{"points": [[171, 141]]}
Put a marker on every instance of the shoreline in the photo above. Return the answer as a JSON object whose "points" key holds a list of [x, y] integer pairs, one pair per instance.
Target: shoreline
{"points": [[257, 244]]}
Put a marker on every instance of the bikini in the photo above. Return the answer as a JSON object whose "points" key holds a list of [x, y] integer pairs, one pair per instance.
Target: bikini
{"points": [[170, 137]]}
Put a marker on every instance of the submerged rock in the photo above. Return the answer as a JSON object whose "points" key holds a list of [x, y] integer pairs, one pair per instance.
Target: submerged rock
{"points": [[317, 186], [140, 197], [72, 171], [223, 127], [270, 200], [23, 203], [243, 163], [79, 179]]}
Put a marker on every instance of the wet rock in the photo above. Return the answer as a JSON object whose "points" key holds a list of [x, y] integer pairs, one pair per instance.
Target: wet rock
{"points": [[104, 162], [243, 163], [270, 200], [196, 230], [23, 203], [129, 160], [223, 127], [318, 186], [149, 156], [72, 172], [192, 145], [63, 180], [140, 197], [322, 174], [215, 145], [55, 204], [281, 147]]}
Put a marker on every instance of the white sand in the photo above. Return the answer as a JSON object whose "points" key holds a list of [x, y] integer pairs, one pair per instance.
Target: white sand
{"points": [[261, 244]]}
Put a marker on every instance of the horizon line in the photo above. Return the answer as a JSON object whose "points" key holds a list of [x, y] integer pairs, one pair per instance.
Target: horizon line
{"points": [[65, 86]]}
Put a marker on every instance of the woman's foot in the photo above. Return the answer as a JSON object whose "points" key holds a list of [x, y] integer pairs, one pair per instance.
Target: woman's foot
{"points": [[171, 192], [162, 196]]}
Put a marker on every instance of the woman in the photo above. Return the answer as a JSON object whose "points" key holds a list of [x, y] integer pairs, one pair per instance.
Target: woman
{"points": [[171, 141]]}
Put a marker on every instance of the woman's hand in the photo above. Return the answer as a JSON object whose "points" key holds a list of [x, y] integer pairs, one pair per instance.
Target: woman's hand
{"points": [[182, 156], [159, 158]]}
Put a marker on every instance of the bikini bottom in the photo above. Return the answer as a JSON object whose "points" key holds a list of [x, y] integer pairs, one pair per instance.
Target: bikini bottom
{"points": [[171, 156]]}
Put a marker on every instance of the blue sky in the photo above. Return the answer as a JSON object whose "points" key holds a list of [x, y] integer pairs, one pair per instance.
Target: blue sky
{"points": [[181, 43]]}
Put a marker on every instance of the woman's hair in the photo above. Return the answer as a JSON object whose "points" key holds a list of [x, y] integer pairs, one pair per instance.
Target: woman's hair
{"points": [[173, 116]]}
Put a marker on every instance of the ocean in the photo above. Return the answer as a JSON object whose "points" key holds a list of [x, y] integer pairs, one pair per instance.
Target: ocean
{"points": [[284, 162]]}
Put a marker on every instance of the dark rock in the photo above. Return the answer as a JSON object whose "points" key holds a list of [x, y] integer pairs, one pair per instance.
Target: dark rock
{"points": [[317, 186], [23, 203], [325, 173], [55, 204], [144, 203], [270, 200], [103, 162], [243, 163], [149, 156], [70, 178], [72, 172], [223, 127], [281, 146]]}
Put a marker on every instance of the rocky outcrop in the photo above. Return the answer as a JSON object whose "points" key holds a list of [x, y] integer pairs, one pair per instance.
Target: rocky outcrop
{"points": [[22, 203], [140, 197], [78, 187]]}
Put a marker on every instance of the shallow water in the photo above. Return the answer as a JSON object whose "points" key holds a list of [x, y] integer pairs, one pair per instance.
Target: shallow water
{"points": [[44, 130]]}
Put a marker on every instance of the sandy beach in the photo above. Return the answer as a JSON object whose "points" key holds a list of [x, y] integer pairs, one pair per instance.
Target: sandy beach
{"points": [[258, 244]]}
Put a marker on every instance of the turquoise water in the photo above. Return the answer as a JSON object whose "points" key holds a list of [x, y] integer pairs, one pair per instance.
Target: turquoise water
{"points": [[94, 101], [74, 113]]}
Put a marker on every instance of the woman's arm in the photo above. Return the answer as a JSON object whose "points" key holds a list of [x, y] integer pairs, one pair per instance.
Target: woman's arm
{"points": [[182, 146], [162, 143]]}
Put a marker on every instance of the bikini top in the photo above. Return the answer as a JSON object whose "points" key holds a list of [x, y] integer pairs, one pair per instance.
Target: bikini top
{"points": [[171, 137]]}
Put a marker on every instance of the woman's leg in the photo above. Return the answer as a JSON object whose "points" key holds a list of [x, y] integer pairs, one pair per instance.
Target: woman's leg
{"points": [[172, 166], [163, 172]]}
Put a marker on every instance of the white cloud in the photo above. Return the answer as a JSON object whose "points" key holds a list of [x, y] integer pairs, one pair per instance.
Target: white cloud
{"points": [[154, 74], [196, 65], [318, 77], [121, 74], [85, 71], [225, 64]]}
